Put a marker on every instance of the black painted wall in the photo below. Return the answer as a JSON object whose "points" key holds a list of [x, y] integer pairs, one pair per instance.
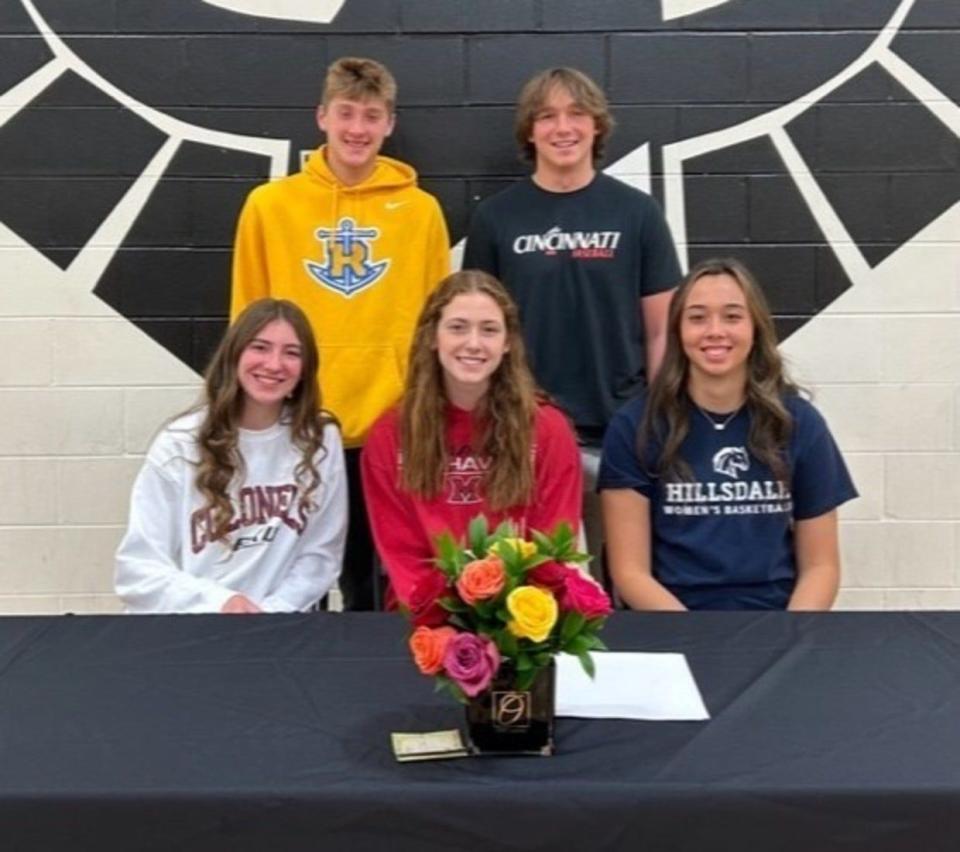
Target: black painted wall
{"points": [[886, 163]]}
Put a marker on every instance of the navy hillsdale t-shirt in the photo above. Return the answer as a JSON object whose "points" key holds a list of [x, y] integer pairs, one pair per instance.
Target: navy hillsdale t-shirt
{"points": [[724, 540]]}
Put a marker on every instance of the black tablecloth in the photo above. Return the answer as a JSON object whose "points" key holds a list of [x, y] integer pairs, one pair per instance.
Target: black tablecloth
{"points": [[829, 732]]}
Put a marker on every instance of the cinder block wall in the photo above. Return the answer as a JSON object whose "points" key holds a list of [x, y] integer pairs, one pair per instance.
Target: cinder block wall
{"points": [[817, 141]]}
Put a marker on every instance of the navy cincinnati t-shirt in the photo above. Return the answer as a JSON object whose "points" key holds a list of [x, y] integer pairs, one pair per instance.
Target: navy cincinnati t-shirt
{"points": [[578, 265], [724, 539]]}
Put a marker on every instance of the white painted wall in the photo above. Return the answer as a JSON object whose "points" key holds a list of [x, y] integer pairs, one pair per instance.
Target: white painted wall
{"points": [[884, 363], [82, 393]]}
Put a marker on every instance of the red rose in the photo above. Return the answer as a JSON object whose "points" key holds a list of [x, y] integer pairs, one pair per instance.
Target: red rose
{"points": [[550, 575], [585, 596], [424, 606]]}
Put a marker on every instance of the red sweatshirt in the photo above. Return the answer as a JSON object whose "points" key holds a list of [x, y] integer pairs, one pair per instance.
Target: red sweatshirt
{"points": [[405, 526]]}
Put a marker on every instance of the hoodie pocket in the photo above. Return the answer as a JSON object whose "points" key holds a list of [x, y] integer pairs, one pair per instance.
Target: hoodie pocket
{"points": [[358, 383]]}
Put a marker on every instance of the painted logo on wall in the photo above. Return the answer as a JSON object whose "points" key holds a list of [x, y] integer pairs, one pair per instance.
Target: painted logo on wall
{"points": [[811, 140]]}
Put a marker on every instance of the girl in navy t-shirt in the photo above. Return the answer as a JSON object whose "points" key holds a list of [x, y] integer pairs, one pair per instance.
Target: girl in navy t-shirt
{"points": [[720, 484]]}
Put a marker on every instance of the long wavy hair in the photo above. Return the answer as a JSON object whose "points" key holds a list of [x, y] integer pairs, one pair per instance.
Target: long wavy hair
{"points": [[666, 421], [221, 463], [505, 415]]}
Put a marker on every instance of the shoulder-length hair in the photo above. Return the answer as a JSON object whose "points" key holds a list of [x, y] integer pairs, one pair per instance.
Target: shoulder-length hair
{"points": [[221, 462], [666, 420], [505, 417]]}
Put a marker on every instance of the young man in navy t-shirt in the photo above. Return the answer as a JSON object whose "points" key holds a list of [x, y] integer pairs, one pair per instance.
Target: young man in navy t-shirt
{"points": [[589, 260]]}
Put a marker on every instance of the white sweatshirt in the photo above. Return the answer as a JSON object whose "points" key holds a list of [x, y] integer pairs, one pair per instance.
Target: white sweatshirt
{"points": [[280, 557]]}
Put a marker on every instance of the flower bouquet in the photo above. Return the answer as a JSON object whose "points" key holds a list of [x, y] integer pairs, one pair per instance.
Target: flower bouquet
{"points": [[489, 621]]}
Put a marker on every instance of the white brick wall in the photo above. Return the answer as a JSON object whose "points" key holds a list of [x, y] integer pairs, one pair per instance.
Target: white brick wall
{"points": [[83, 393], [884, 364]]}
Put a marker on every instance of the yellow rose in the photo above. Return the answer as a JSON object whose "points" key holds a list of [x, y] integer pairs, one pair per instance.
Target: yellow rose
{"points": [[534, 612], [524, 548]]}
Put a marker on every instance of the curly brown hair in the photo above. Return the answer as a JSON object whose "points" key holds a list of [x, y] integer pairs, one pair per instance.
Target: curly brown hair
{"points": [[506, 413], [666, 420], [221, 462]]}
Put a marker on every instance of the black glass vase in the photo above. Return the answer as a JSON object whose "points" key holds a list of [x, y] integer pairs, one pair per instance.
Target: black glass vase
{"points": [[504, 720]]}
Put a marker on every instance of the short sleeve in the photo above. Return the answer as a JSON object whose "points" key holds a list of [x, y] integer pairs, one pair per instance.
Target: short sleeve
{"points": [[480, 251], [820, 480], [660, 268], [620, 465]]}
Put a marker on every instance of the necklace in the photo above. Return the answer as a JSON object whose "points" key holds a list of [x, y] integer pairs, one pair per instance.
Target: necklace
{"points": [[722, 424]]}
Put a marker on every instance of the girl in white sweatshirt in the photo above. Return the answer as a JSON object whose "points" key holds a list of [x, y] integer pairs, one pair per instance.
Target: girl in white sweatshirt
{"points": [[241, 502]]}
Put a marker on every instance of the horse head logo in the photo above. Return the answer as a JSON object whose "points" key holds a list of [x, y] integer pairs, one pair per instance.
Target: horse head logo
{"points": [[730, 461]]}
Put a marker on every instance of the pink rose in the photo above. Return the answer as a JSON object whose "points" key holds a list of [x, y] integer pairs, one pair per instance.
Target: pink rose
{"points": [[471, 661], [585, 596], [424, 607]]}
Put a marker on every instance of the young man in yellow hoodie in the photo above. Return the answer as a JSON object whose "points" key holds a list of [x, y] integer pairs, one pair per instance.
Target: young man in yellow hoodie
{"points": [[355, 243]]}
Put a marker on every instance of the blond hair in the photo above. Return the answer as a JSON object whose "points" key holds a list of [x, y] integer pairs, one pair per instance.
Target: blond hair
{"points": [[356, 79]]}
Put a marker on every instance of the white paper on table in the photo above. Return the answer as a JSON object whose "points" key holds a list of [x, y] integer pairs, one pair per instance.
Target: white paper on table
{"points": [[629, 685]]}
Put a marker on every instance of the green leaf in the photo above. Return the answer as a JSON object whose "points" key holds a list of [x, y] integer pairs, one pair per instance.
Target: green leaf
{"points": [[453, 604], [577, 645], [523, 662], [477, 532], [596, 644], [449, 557], [532, 562], [445, 684], [587, 662], [573, 623], [485, 609], [542, 542], [507, 643], [526, 678], [461, 622]]}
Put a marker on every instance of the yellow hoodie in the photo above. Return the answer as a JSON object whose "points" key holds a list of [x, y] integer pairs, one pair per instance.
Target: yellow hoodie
{"points": [[360, 261]]}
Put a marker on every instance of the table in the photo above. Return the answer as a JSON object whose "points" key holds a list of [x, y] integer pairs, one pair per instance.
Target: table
{"points": [[836, 731]]}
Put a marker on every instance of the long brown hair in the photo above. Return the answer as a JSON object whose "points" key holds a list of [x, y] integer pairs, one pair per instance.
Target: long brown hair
{"points": [[506, 414], [220, 460], [666, 420]]}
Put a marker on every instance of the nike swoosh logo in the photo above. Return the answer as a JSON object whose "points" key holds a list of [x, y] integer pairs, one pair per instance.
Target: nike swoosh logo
{"points": [[393, 205]]}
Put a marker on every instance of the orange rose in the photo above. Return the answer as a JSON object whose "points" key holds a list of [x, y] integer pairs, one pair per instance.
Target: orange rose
{"points": [[481, 580], [428, 644]]}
